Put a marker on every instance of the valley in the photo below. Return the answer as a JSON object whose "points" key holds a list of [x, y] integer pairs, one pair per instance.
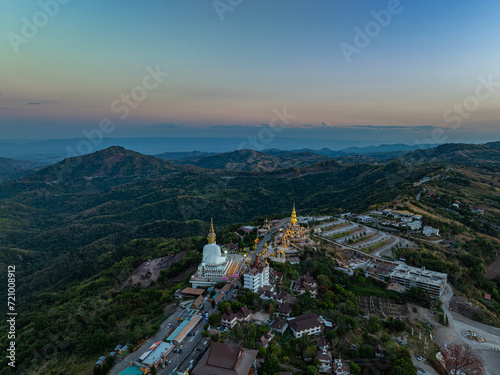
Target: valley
{"points": [[83, 232]]}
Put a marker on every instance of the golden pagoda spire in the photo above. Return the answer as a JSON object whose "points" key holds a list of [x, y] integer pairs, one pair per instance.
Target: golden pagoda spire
{"points": [[211, 235], [293, 219]]}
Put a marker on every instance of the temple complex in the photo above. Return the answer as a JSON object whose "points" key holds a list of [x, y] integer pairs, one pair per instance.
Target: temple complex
{"points": [[214, 266], [293, 237]]}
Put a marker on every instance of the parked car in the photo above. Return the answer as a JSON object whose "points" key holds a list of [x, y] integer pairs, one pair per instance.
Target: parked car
{"points": [[169, 325], [420, 358]]}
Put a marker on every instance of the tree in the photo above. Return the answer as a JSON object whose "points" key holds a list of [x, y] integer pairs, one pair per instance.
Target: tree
{"points": [[323, 280], [355, 369], [309, 352], [269, 366], [262, 352], [269, 305], [224, 306], [399, 325], [403, 364], [214, 319], [311, 370], [153, 371], [462, 359], [398, 370]]}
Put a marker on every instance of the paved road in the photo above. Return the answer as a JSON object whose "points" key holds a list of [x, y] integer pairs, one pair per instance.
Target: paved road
{"points": [[458, 324], [159, 336], [342, 229], [423, 368], [382, 235], [335, 222], [268, 236], [188, 343]]}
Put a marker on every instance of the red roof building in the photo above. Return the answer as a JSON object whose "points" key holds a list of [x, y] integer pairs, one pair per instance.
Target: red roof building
{"points": [[223, 359]]}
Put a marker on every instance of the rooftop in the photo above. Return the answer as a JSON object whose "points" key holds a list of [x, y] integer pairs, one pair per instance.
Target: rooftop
{"points": [[193, 291], [157, 353], [225, 288], [420, 274], [324, 355], [304, 322], [223, 359], [278, 324], [197, 303]]}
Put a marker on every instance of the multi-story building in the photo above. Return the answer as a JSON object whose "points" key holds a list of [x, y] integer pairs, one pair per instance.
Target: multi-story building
{"points": [[307, 283], [430, 231], [229, 319], [414, 225], [257, 276], [325, 357], [279, 325], [308, 324], [433, 282], [283, 310]]}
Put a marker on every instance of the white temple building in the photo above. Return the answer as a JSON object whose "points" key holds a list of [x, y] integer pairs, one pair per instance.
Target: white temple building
{"points": [[214, 266], [256, 276]]}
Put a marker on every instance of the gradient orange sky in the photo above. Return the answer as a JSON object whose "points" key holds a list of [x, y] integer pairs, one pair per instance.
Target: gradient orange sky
{"points": [[234, 70]]}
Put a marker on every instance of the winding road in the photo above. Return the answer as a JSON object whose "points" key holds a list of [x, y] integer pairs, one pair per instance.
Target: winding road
{"points": [[458, 325]]}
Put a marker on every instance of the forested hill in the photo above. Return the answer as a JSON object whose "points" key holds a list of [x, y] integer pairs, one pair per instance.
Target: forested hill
{"points": [[11, 169], [251, 160], [457, 153], [77, 229], [113, 162], [113, 196]]}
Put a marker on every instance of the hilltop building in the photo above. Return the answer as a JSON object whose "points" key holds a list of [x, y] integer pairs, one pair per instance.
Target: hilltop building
{"points": [[308, 324], [227, 360], [340, 368], [408, 277], [214, 266], [430, 231], [307, 283], [256, 276], [294, 236], [265, 229], [325, 357]]}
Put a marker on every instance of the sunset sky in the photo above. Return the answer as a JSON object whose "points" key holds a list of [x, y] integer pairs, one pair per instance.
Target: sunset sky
{"points": [[228, 70]]}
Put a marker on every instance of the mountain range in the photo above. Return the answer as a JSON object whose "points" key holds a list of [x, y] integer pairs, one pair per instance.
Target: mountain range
{"points": [[83, 225], [12, 169]]}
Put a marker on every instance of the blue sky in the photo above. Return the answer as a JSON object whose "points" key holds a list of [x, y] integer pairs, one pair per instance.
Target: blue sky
{"points": [[235, 69]]}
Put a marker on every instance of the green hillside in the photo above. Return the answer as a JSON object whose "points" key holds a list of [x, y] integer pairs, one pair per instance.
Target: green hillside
{"points": [[76, 230]]}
